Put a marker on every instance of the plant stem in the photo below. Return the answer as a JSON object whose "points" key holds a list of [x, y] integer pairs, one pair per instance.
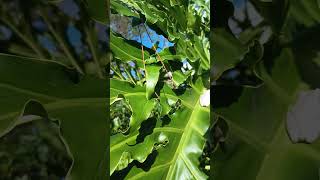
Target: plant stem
{"points": [[93, 51], [28, 41], [138, 74], [154, 48], [115, 71], [142, 51], [158, 56], [130, 76], [63, 44]]}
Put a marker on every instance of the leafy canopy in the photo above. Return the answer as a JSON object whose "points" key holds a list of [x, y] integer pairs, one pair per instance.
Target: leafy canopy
{"points": [[165, 136]]}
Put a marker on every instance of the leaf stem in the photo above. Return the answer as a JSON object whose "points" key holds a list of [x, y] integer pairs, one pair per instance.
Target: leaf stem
{"points": [[93, 51], [129, 75], [115, 71], [158, 56], [27, 40], [62, 43], [138, 73], [142, 51], [154, 48]]}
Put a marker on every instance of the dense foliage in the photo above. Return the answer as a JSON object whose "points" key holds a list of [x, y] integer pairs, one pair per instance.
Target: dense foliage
{"points": [[53, 72], [53, 86], [162, 88]]}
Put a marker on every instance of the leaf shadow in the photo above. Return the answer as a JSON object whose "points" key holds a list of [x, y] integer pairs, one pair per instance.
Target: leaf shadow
{"points": [[146, 129], [145, 166], [224, 96], [305, 50], [165, 120]]}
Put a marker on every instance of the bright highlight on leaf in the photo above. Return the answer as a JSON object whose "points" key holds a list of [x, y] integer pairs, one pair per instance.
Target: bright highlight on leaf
{"points": [[152, 76], [169, 102], [205, 98]]}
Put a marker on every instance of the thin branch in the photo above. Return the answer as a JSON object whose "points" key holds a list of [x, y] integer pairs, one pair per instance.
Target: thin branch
{"points": [[94, 52], [27, 40], [62, 43], [138, 74], [129, 75], [154, 48], [144, 63], [160, 59], [157, 95], [115, 71]]}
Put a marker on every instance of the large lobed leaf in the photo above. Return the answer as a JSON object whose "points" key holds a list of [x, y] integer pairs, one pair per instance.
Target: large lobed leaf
{"points": [[179, 144], [257, 146], [169, 143], [141, 107], [79, 108]]}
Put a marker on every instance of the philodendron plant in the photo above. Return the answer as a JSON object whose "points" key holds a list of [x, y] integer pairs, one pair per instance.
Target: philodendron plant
{"points": [[162, 95], [44, 76], [266, 70]]}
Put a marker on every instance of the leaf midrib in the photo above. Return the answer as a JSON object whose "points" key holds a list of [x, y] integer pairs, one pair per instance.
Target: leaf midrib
{"points": [[272, 146], [25, 91], [166, 129], [55, 105], [176, 154], [129, 55], [136, 176], [126, 93], [187, 130]]}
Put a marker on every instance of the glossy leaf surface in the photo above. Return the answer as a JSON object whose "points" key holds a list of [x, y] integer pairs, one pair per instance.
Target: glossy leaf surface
{"points": [[80, 112]]}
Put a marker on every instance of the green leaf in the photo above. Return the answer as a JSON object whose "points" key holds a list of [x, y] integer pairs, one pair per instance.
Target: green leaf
{"points": [[166, 55], [171, 18], [122, 9], [152, 76], [195, 50], [184, 132], [176, 123], [305, 12], [131, 94], [257, 144], [141, 110], [178, 77], [248, 77], [250, 34], [201, 46], [228, 51], [125, 51], [98, 10], [79, 107]]}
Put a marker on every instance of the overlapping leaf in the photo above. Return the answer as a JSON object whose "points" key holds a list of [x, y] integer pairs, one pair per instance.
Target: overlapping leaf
{"points": [[125, 51], [182, 140], [171, 20], [152, 77], [81, 112], [121, 153], [175, 144], [228, 51], [257, 143]]}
